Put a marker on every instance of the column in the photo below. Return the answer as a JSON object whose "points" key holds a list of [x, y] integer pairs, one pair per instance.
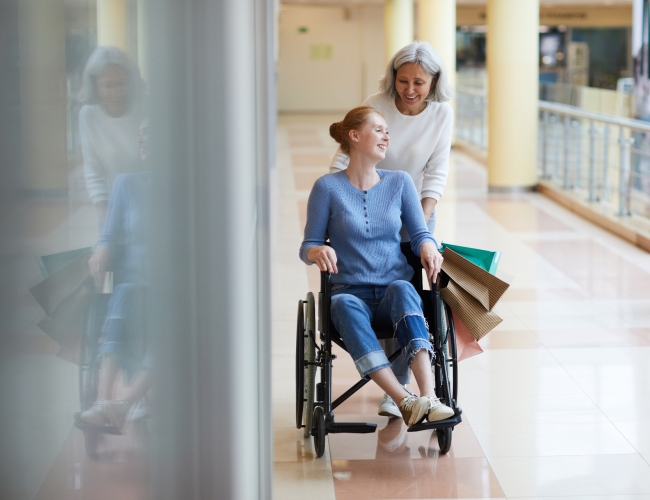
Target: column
{"points": [[43, 95], [436, 24], [398, 24], [210, 300], [112, 18], [513, 74], [142, 38]]}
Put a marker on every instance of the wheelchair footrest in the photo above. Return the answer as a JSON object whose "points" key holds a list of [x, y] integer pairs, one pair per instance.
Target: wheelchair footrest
{"points": [[440, 424], [350, 428]]}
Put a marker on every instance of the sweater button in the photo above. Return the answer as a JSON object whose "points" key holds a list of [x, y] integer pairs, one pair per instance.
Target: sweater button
{"points": [[364, 200], [367, 230], [365, 192], [366, 222]]}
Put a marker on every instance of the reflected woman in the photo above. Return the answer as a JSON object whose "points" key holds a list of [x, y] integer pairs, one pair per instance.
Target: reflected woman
{"points": [[123, 249], [109, 121]]}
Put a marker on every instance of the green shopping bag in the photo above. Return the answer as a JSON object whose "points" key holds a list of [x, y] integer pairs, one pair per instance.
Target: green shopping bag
{"points": [[485, 259]]}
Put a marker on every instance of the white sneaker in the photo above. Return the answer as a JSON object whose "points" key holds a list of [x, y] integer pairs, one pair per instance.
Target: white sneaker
{"points": [[437, 411], [388, 408], [413, 409], [106, 413]]}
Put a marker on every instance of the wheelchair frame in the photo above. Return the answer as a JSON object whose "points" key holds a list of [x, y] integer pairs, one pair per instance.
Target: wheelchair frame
{"points": [[315, 408], [91, 327]]}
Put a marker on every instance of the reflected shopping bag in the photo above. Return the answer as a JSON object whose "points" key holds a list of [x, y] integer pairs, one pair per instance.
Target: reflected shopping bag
{"points": [[466, 345], [485, 259], [65, 295]]}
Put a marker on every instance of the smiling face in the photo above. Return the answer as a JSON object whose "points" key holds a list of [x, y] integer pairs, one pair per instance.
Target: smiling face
{"points": [[372, 138], [413, 85], [113, 90]]}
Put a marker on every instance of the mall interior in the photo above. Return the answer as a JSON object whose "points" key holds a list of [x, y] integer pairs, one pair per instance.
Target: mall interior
{"points": [[156, 162]]}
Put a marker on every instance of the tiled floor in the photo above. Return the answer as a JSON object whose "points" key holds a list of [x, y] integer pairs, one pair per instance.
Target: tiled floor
{"points": [[556, 406]]}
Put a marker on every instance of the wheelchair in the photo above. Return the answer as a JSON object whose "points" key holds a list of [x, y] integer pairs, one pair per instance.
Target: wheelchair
{"points": [[314, 404]]}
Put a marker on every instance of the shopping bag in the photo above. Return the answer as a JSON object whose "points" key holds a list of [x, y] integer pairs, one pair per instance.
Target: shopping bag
{"points": [[466, 346], [485, 259], [486, 288], [64, 296], [472, 293], [57, 287]]}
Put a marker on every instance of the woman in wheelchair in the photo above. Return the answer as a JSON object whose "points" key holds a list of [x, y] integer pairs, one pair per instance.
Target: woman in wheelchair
{"points": [[122, 248], [362, 210]]}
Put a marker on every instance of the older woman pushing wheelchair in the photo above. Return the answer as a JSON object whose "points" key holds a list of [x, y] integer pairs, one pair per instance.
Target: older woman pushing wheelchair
{"points": [[362, 210]]}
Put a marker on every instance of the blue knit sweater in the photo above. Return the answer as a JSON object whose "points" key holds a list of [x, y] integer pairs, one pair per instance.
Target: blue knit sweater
{"points": [[364, 226]]}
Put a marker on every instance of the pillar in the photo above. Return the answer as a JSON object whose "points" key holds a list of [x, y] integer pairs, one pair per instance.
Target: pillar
{"points": [[142, 38], [398, 23], [209, 232], [436, 24], [513, 75], [112, 16], [43, 95]]}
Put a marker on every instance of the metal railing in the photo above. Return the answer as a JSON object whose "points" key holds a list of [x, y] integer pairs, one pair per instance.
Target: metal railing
{"points": [[603, 158], [471, 117]]}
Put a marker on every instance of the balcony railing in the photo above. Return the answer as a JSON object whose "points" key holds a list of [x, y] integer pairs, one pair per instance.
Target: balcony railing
{"points": [[471, 117], [601, 158]]}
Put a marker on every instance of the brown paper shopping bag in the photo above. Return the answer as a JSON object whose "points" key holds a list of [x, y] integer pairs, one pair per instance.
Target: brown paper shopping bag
{"points": [[472, 293], [486, 288]]}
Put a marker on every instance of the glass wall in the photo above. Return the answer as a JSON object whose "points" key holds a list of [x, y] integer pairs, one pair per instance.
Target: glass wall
{"points": [[136, 146]]}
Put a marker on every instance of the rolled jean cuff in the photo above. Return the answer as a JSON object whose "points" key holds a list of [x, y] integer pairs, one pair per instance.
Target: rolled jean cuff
{"points": [[414, 346], [371, 362]]}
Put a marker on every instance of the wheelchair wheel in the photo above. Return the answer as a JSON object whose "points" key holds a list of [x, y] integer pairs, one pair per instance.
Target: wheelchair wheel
{"points": [[89, 363], [300, 363], [444, 439], [453, 360], [319, 431], [443, 367], [88, 354], [305, 373]]}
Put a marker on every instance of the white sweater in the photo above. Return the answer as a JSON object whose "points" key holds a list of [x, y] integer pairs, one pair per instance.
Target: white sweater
{"points": [[109, 146], [419, 145]]}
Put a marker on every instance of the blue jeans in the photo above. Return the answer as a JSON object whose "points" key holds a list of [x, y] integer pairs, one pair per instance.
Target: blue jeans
{"points": [[400, 368], [124, 326], [356, 309]]}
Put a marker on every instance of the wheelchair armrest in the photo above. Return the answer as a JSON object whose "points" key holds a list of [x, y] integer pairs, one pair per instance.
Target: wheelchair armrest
{"points": [[324, 300], [326, 283]]}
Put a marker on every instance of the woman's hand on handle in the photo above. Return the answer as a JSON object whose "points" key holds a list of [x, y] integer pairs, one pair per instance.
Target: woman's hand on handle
{"points": [[324, 257], [98, 264], [431, 260]]}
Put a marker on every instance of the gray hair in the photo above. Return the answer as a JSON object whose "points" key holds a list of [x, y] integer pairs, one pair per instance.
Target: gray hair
{"points": [[423, 54], [99, 60]]}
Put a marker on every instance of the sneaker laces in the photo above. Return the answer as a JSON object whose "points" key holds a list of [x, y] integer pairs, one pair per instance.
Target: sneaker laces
{"points": [[434, 401], [408, 402]]}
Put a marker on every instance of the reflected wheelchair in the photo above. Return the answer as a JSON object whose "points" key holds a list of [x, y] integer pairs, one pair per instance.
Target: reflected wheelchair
{"points": [[91, 330], [314, 404]]}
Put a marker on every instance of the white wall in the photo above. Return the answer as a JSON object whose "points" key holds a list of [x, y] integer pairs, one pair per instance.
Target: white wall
{"points": [[338, 83]]}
